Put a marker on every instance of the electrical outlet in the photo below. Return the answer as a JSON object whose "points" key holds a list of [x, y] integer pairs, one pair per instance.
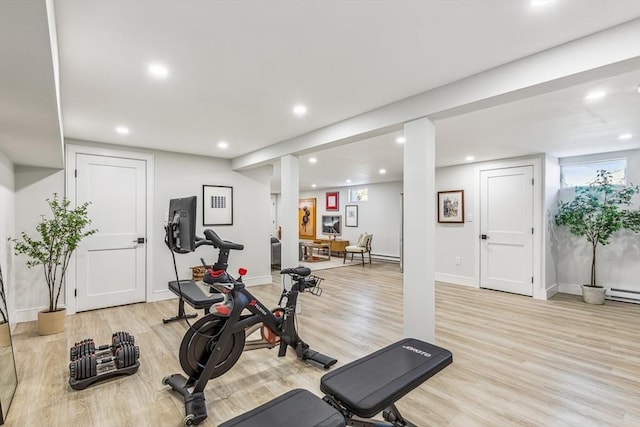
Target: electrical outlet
{"points": [[457, 260]]}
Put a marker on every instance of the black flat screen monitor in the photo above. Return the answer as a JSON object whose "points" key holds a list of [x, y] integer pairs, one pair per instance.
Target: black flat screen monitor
{"points": [[181, 233], [332, 225]]}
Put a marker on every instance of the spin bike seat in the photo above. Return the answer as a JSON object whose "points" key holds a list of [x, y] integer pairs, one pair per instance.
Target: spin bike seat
{"points": [[300, 271]]}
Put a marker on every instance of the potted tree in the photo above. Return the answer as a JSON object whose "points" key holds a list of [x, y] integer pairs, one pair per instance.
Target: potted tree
{"points": [[58, 237], [597, 212]]}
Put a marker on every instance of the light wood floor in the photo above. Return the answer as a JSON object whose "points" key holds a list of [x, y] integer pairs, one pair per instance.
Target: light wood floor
{"points": [[517, 361]]}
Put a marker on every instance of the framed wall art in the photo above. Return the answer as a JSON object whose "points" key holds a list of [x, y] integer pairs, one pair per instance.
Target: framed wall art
{"points": [[217, 205], [351, 215], [332, 200], [307, 218], [451, 206]]}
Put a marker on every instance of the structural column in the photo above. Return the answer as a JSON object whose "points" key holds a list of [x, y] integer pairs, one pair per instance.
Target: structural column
{"points": [[419, 230], [290, 191]]}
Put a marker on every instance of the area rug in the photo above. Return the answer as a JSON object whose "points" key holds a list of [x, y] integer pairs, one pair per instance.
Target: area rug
{"points": [[335, 262]]}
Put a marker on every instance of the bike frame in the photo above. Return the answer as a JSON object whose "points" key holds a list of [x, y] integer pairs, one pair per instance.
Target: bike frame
{"points": [[242, 299]]}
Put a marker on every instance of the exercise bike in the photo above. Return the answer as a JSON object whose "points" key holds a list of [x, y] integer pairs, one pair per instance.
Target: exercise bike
{"points": [[213, 344]]}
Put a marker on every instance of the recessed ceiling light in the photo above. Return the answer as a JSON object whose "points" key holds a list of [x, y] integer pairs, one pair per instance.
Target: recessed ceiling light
{"points": [[469, 158], [539, 3], [625, 136], [313, 186], [122, 130], [299, 110], [312, 160], [401, 140], [382, 171], [595, 95], [223, 144], [348, 181], [158, 71]]}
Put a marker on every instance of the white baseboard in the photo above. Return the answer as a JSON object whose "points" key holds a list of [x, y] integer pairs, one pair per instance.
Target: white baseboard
{"points": [[258, 280], [29, 314], [568, 288], [162, 294], [545, 294], [456, 280]]}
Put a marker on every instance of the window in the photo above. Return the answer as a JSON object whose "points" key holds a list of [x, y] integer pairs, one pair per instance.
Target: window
{"points": [[361, 195], [578, 174]]}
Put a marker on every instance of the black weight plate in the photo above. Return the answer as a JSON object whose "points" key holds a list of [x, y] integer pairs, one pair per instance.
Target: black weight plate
{"points": [[199, 342], [127, 356], [94, 367], [119, 357], [84, 370]]}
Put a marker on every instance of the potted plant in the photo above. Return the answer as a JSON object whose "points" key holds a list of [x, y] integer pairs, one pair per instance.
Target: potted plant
{"points": [[58, 237], [597, 212]]}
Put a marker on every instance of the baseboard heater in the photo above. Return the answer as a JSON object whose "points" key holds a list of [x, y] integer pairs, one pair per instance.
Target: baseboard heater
{"points": [[384, 258], [624, 295]]}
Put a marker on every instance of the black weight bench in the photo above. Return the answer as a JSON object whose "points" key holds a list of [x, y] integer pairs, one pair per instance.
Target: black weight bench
{"points": [[362, 388], [197, 296]]}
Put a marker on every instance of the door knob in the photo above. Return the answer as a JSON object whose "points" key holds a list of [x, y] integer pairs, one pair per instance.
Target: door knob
{"points": [[139, 240], [484, 236]]}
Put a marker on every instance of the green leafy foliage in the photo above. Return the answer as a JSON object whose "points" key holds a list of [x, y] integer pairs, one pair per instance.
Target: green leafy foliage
{"points": [[598, 211], [58, 237]]}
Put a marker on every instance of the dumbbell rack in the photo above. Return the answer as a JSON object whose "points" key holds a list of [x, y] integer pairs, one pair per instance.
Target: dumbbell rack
{"points": [[119, 358]]}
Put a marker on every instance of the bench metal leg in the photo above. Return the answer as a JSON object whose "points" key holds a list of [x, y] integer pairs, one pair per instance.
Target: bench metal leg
{"points": [[181, 314]]}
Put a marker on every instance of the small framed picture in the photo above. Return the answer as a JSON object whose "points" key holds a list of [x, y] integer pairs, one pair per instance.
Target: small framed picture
{"points": [[332, 200], [351, 215], [217, 205], [451, 206]]}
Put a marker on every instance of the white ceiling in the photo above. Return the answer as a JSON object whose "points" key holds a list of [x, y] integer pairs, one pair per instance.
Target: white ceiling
{"points": [[237, 68]]}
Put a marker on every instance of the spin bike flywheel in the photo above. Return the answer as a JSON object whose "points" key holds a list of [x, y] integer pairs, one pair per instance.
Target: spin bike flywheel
{"points": [[199, 342]]}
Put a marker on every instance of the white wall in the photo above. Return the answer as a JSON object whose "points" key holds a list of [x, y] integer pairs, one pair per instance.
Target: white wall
{"points": [[551, 187], [33, 186], [176, 175], [180, 175], [7, 209], [462, 240], [457, 240], [380, 215], [618, 263]]}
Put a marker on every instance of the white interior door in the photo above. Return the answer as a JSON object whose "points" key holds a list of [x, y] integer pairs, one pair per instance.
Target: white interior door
{"points": [[110, 265], [506, 216]]}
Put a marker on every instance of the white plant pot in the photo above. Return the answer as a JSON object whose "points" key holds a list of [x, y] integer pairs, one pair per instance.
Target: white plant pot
{"points": [[593, 295]]}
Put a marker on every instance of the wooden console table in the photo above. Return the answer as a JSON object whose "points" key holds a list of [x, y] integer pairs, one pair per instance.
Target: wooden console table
{"points": [[336, 245], [308, 248]]}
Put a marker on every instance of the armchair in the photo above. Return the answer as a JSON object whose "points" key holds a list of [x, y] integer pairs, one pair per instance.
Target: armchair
{"points": [[363, 247]]}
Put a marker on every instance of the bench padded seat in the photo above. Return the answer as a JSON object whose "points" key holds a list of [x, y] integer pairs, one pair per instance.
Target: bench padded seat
{"points": [[197, 296], [371, 384], [299, 408]]}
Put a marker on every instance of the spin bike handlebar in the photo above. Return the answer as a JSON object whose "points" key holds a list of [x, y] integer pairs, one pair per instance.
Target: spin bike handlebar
{"points": [[217, 242]]}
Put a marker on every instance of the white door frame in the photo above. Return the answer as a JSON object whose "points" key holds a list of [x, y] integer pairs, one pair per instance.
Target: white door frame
{"points": [[539, 291], [71, 151]]}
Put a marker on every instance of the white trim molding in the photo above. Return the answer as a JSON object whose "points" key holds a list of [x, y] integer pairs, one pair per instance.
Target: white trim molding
{"points": [[71, 151], [456, 280]]}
